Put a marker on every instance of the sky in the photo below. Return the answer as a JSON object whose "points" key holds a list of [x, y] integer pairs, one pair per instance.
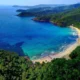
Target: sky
{"points": [[36, 2]]}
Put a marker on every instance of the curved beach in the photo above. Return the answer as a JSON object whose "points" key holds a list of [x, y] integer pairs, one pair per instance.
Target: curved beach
{"points": [[64, 53]]}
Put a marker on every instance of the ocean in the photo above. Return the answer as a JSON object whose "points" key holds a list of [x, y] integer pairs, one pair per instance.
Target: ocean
{"points": [[29, 38]]}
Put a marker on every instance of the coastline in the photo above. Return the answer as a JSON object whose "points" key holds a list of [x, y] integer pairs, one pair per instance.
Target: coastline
{"points": [[63, 54]]}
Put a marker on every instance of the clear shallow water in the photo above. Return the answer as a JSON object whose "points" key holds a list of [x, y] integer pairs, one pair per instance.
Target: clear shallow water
{"points": [[25, 36]]}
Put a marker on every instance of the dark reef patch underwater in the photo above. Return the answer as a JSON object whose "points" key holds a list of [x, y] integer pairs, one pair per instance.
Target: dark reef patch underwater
{"points": [[27, 37], [14, 48]]}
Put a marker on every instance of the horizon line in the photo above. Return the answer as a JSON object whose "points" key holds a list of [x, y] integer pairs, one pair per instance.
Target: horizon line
{"points": [[33, 5]]}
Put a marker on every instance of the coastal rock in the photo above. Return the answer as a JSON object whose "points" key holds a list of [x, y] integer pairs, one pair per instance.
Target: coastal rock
{"points": [[36, 19]]}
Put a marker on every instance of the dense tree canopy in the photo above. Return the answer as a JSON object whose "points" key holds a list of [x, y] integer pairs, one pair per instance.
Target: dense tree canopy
{"points": [[63, 19], [14, 67], [62, 16]]}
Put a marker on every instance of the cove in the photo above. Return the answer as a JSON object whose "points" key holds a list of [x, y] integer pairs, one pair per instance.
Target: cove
{"points": [[27, 37]]}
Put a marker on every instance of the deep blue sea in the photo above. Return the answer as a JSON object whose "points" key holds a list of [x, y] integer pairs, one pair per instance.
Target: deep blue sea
{"points": [[27, 37]]}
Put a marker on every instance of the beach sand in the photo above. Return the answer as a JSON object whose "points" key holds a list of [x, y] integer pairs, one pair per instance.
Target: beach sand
{"points": [[63, 54]]}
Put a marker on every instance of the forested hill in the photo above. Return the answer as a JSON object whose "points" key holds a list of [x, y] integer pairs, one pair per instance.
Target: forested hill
{"points": [[65, 18], [46, 10], [62, 16], [14, 67], [39, 11]]}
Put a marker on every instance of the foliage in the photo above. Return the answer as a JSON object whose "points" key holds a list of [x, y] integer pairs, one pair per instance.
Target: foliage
{"points": [[62, 16], [75, 53], [63, 19], [14, 67], [46, 10]]}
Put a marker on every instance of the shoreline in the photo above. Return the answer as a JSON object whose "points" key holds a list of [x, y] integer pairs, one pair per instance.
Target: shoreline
{"points": [[63, 54]]}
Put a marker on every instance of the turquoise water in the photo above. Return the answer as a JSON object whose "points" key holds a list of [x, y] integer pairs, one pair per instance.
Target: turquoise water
{"points": [[27, 37]]}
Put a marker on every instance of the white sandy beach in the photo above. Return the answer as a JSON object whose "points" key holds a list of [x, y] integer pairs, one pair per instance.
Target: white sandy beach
{"points": [[64, 53]]}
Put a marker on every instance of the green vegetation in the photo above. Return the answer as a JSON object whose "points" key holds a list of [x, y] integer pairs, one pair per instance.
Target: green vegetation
{"points": [[23, 14], [75, 53], [62, 15], [42, 10], [14, 67], [63, 19], [67, 18]]}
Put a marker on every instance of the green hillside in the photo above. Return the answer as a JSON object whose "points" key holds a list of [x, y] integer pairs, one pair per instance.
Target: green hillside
{"points": [[14, 67], [42, 10], [66, 18]]}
